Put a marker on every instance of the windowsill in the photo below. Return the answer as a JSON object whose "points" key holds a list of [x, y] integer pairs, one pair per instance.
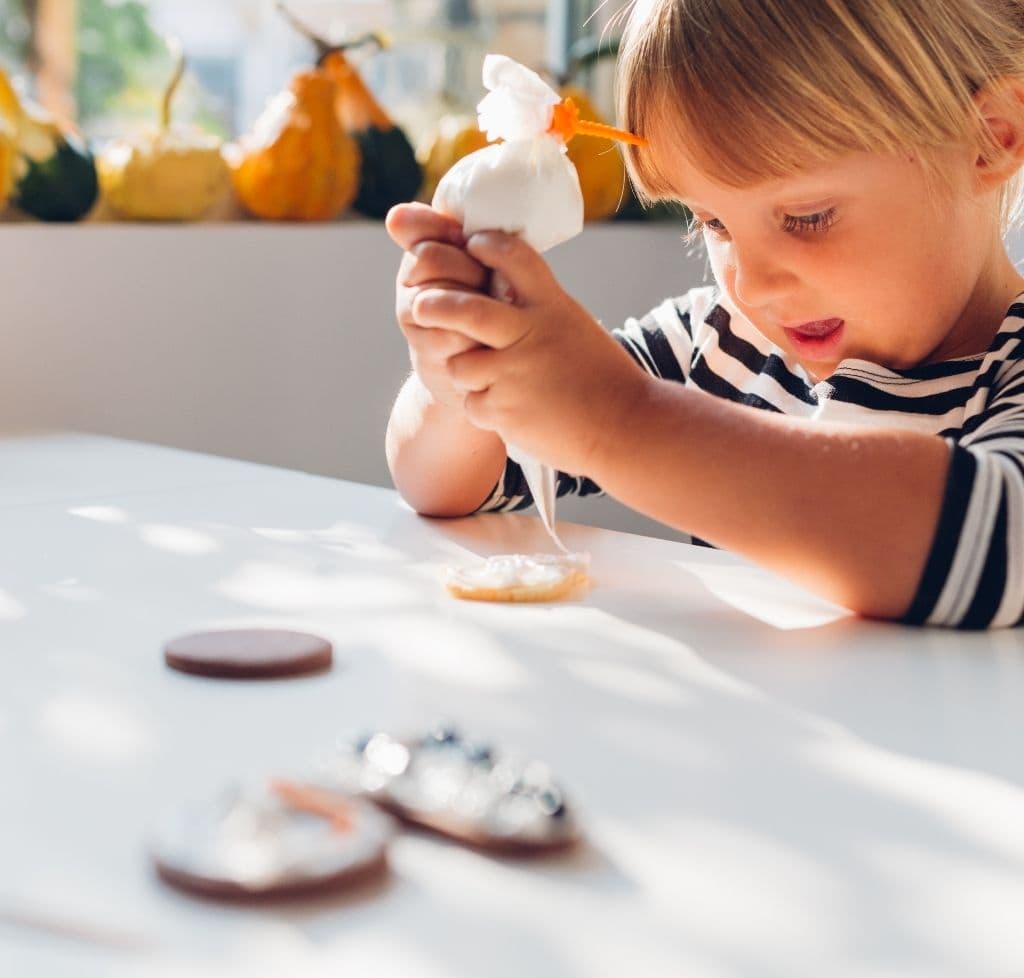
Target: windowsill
{"points": [[269, 342]]}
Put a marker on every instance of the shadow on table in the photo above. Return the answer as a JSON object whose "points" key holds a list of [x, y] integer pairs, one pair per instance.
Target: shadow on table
{"points": [[753, 758], [831, 761]]}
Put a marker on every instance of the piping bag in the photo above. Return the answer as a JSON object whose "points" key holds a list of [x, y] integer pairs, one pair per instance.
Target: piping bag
{"points": [[524, 185]]}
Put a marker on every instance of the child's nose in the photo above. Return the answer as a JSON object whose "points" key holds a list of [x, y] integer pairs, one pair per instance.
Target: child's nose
{"points": [[758, 277]]}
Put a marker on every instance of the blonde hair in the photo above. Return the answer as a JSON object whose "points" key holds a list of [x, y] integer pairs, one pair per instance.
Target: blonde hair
{"points": [[761, 88]]}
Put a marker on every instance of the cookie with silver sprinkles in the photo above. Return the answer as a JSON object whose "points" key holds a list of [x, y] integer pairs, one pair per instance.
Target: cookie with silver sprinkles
{"points": [[249, 653], [290, 839], [459, 787]]}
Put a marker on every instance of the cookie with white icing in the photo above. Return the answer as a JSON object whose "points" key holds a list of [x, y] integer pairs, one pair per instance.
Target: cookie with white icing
{"points": [[520, 578], [287, 839], [460, 788]]}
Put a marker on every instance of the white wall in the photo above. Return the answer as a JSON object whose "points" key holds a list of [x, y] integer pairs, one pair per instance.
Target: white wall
{"points": [[274, 343]]}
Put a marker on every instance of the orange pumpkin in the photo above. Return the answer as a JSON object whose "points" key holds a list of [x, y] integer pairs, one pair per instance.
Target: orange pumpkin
{"points": [[298, 164]]}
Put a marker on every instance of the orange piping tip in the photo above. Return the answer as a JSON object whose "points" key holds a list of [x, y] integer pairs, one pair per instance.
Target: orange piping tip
{"points": [[566, 123]]}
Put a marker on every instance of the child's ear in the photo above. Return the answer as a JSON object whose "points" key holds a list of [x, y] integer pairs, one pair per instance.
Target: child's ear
{"points": [[1001, 149]]}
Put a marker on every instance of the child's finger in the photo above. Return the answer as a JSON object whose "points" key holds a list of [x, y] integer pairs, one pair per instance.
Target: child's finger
{"points": [[409, 224], [524, 269], [472, 370], [478, 406], [489, 322], [438, 345], [406, 296], [430, 261]]}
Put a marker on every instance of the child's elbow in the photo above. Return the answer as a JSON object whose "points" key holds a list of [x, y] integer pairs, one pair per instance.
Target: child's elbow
{"points": [[441, 509], [432, 501], [885, 603]]}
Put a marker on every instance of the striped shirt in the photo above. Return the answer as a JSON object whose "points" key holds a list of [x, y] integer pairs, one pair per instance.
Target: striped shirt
{"points": [[974, 573]]}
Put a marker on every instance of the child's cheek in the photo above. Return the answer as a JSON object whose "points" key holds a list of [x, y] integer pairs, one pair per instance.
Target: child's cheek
{"points": [[722, 266]]}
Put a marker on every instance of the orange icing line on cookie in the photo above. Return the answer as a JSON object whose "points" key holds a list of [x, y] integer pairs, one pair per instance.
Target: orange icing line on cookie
{"points": [[316, 801]]}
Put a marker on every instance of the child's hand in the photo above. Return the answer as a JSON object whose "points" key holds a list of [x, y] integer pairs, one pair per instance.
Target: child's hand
{"points": [[435, 256], [545, 376]]}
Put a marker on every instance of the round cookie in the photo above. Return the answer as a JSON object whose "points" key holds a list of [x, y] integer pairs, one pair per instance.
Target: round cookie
{"points": [[248, 653], [460, 788], [290, 840], [519, 578]]}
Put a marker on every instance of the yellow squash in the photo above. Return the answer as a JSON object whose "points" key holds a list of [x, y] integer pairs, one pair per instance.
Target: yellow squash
{"points": [[298, 164], [164, 174], [457, 135]]}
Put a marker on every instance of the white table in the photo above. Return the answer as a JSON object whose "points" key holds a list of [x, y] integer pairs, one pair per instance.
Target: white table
{"points": [[770, 788]]}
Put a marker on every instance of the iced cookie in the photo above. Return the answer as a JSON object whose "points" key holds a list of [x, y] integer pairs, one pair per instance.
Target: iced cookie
{"points": [[520, 577], [285, 840], [459, 788], [248, 653]]}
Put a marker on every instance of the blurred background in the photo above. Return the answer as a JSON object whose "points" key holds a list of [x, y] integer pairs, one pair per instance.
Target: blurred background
{"points": [[102, 63], [173, 270]]}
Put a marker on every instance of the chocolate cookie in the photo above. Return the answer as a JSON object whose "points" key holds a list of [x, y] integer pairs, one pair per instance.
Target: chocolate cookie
{"points": [[248, 653]]}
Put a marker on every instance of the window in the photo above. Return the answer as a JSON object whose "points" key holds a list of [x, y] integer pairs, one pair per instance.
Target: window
{"points": [[103, 63]]}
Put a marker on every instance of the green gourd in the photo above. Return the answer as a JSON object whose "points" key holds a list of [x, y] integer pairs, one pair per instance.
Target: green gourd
{"points": [[389, 172], [56, 174]]}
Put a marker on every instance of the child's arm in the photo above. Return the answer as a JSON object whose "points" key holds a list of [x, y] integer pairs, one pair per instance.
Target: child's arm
{"points": [[849, 512], [441, 464]]}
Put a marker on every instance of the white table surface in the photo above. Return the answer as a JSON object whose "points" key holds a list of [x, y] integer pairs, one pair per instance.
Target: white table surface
{"points": [[770, 788]]}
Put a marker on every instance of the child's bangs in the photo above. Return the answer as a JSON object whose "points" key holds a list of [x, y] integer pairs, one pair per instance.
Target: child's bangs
{"points": [[729, 140]]}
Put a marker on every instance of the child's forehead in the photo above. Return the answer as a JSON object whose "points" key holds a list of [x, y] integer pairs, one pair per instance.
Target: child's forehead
{"points": [[689, 173], [686, 173]]}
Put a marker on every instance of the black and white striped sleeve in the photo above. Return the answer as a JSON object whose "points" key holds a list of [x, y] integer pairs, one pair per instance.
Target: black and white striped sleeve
{"points": [[974, 574], [655, 342], [662, 341]]}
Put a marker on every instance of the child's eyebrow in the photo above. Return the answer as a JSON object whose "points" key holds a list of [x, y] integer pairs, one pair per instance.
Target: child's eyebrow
{"points": [[789, 193]]}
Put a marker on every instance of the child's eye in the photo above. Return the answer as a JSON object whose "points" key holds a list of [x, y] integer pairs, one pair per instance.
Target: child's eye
{"points": [[792, 223], [697, 227], [820, 221]]}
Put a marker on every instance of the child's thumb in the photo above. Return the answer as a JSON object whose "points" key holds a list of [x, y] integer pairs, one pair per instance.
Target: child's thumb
{"points": [[519, 269]]}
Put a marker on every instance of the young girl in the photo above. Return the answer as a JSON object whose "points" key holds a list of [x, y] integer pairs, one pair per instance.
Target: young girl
{"points": [[846, 404]]}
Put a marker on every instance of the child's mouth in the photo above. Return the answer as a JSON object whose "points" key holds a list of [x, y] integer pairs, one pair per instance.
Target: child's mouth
{"points": [[816, 338]]}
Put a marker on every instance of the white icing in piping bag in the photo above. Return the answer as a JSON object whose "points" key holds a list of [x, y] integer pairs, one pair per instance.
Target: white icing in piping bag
{"points": [[525, 185]]}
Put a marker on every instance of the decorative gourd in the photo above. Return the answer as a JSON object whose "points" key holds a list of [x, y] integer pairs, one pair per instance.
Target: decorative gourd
{"points": [[8, 160], [456, 136], [164, 174], [54, 174], [299, 164], [390, 173], [598, 163]]}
